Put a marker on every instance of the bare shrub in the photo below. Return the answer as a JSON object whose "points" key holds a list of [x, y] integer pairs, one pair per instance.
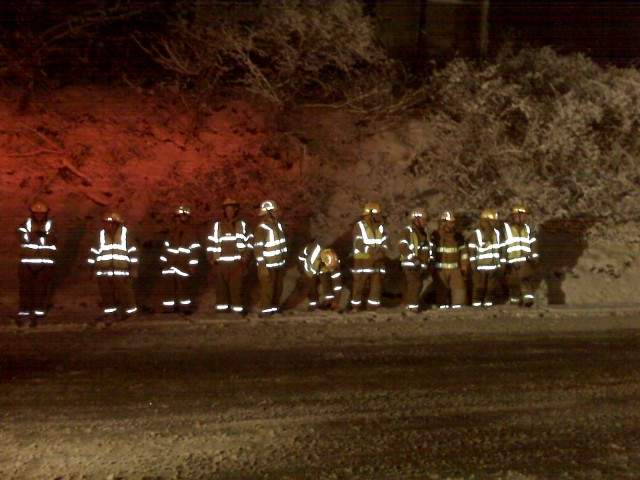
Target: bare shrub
{"points": [[558, 132]]}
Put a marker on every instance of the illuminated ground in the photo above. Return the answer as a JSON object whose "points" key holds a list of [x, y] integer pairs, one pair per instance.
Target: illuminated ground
{"points": [[505, 394]]}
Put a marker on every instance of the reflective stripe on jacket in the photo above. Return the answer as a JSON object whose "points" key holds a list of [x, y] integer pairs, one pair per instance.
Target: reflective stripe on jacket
{"points": [[37, 243], [485, 254], [414, 247], [116, 255], [180, 253], [367, 239], [449, 250], [270, 244], [229, 241], [520, 243], [310, 259]]}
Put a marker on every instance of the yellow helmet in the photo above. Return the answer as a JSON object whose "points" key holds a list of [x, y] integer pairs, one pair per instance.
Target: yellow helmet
{"points": [[489, 214], [267, 206], [329, 258], [419, 213], [39, 207], [230, 201], [520, 209], [371, 208], [112, 216], [182, 210], [448, 216]]}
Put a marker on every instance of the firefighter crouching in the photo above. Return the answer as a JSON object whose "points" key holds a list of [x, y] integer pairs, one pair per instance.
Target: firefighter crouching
{"points": [[321, 268], [451, 261], [415, 257], [485, 259], [369, 252], [521, 252], [37, 262], [179, 261], [115, 263], [228, 251], [270, 249]]}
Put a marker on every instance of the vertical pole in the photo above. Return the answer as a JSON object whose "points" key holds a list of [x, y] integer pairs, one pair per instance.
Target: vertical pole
{"points": [[484, 28]]}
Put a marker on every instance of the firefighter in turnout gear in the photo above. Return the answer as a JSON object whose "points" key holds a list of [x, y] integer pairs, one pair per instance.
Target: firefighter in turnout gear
{"points": [[321, 268], [115, 263], [485, 259], [415, 257], [37, 262], [369, 252], [270, 248], [521, 252], [229, 251], [179, 262], [451, 262]]}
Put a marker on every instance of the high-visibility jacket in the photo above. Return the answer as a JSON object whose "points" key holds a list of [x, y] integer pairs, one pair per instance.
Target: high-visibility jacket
{"points": [[485, 250], [449, 250], [229, 241], [414, 247], [180, 252], [310, 259], [270, 243], [115, 255], [520, 243], [368, 239], [37, 243]]}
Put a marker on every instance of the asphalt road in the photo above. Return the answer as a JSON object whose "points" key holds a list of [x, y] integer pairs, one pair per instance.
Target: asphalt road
{"points": [[388, 399]]}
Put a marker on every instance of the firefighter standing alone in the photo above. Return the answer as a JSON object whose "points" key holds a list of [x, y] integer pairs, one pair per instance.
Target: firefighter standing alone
{"points": [[37, 260]]}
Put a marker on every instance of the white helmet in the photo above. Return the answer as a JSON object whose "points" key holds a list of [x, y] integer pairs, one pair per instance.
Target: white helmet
{"points": [[267, 206]]}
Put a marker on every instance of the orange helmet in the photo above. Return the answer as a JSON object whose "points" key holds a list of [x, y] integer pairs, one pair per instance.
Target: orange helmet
{"points": [[39, 207], [329, 258]]}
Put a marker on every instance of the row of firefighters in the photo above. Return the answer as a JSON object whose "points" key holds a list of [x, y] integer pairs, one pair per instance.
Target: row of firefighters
{"points": [[495, 251]]}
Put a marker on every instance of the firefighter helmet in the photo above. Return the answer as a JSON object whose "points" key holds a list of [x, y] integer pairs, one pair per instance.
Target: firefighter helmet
{"points": [[448, 216], [371, 208], [267, 206], [419, 213], [329, 258], [182, 210], [489, 214], [112, 216], [520, 209], [39, 207], [230, 202]]}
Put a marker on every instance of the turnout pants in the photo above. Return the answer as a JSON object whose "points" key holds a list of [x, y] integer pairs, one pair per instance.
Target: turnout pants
{"points": [[35, 285], [485, 283], [313, 284], [519, 278], [116, 292], [450, 288], [271, 283], [229, 278], [363, 281], [177, 292], [413, 278]]}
